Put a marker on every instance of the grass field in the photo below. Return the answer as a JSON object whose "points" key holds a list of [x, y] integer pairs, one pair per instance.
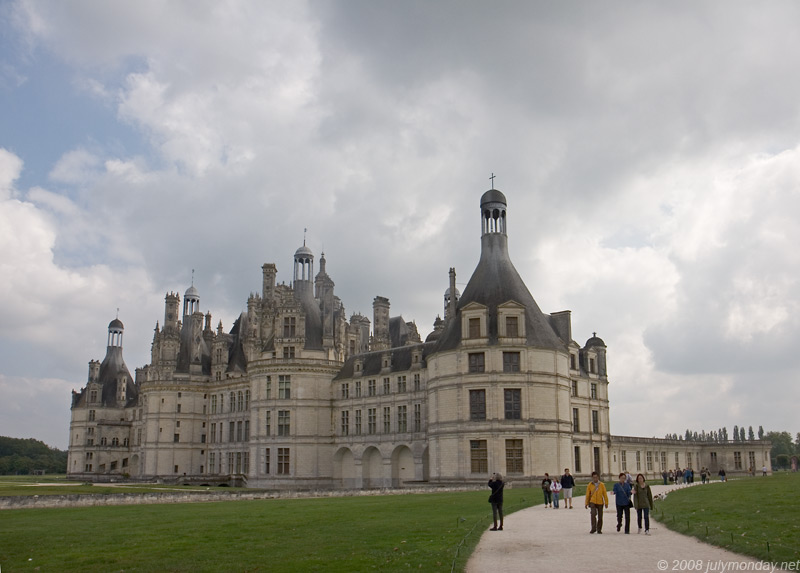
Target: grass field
{"points": [[423, 532], [59, 485], [753, 516]]}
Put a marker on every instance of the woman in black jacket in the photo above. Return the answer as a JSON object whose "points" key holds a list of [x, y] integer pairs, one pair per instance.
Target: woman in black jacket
{"points": [[496, 499]]}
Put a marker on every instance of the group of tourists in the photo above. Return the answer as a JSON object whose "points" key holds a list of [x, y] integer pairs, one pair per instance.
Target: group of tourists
{"points": [[627, 494], [554, 487]]}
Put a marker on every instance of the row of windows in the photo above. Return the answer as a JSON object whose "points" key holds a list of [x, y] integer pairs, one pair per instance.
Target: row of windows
{"points": [[512, 404], [576, 421], [237, 402], [372, 387], [573, 364], [662, 460], [477, 362], [402, 423], [592, 390], [479, 457], [237, 463], [511, 323], [237, 432]]}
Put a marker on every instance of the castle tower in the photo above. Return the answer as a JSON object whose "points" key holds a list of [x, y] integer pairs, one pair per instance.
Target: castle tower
{"points": [[269, 272], [380, 323], [171, 304], [450, 299]]}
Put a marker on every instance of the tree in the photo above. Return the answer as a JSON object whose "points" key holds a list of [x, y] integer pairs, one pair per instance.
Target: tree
{"points": [[761, 432], [736, 433], [781, 445], [741, 434], [724, 433], [751, 435]]}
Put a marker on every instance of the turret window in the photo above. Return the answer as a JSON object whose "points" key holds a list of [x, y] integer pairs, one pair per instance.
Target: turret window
{"points": [[477, 405], [514, 463], [283, 422], [474, 327], [284, 386], [289, 326], [594, 391], [288, 351], [510, 361], [479, 457], [512, 326], [513, 404], [476, 362]]}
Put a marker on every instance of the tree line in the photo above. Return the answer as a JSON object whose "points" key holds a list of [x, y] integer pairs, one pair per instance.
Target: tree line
{"points": [[26, 456], [783, 448]]}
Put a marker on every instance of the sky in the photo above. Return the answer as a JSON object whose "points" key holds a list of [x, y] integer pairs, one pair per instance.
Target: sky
{"points": [[649, 153]]}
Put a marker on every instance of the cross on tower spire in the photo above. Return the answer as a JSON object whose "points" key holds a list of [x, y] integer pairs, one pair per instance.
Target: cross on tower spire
{"points": [[492, 178]]}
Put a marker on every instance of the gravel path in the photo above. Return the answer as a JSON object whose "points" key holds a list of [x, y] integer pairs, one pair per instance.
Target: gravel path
{"points": [[546, 539]]}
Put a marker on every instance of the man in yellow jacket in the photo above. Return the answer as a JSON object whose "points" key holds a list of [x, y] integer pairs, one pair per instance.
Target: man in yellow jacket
{"points": [[596, 499]]}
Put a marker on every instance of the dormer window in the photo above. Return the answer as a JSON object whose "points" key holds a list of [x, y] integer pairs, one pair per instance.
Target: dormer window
{"points": [[474, 327], [512, 326]]}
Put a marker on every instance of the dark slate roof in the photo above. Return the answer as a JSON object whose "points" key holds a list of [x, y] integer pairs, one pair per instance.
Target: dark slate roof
{"points": [[595, 341], [237, 359], [372, 362], [398, 331], [304, 294], [493, 196], [111, 369], [116, 323], [495, 281]]}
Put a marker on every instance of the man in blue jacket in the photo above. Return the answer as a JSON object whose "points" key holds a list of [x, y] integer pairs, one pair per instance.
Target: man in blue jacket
{"points": [[567, 483]]}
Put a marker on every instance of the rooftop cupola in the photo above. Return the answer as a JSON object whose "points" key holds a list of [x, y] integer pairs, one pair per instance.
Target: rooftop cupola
{"points": [[115, 330], [493, 212], [191, 301], [303, 264]]}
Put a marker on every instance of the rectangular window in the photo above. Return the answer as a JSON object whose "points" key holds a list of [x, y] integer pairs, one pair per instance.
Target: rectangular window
{"points": [[175, 437], [592, 366], [212, 460], [572, 362], [713, 459], [574, 387], [474, 327], [597, 467], [402, 419], [345, 423], [401, 384], [268, 388], [358, 388], [578, 459], [638, 461], [284, 386], [214, 404], [345, 390], [283, 461], [240, 401], [479, 457], [594, 391], [624, 460], [476, 362], [358, 422], [213, 432], [417, 417], [232, 402], [751, 456], [266, 461], [477, 404], [649, 461], [387, 420], [512, 326], [387, 386], [677, 463], [288, 351], [371, 420], [268, 426], [247, 399], [595, 422], [737, 460], [371, 387], [510, 361], [663, 461], [92, 414], [283, 422], [289, 326], [239, 436], [513, 404], [688, 459], [231, 431], [576, 420], [247, 430], [417, 383], [514, 456]]}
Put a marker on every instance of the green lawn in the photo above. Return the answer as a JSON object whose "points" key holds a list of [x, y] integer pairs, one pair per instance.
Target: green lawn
{"points": [[59, 485], [753, 516], [424, 532]]}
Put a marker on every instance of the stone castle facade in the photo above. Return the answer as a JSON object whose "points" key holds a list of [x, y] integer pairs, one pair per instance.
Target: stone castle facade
{"points": [[296, 396]]}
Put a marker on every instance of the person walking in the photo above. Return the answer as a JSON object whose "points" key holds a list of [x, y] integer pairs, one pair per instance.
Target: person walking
{"points": [[596, 499], [622, 499], [496, 499], [643, 502], [555, 489], [548, 496], [567, 483]]}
